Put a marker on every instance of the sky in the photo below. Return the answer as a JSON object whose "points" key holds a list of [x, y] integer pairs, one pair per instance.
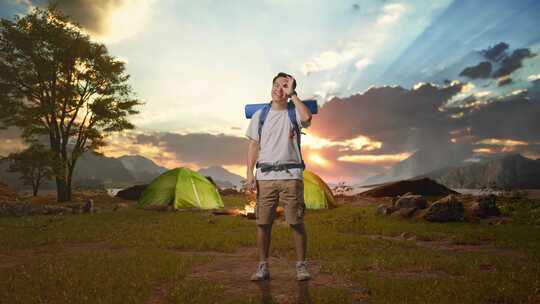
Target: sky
{"points": [[391, 78]]}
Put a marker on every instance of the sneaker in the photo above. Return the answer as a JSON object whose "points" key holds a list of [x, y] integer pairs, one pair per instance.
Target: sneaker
{"points": [[302, 273], [262, 272]]}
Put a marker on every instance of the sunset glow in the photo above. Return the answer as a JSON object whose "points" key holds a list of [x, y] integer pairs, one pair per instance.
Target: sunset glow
{"points": [[318, 160], [375, 159]]}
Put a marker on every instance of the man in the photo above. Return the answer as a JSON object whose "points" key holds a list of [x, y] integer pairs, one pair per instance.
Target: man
{"points": [[274, 148]]}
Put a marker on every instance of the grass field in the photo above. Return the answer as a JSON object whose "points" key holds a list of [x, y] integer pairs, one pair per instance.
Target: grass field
{"points": [[138, 256]]}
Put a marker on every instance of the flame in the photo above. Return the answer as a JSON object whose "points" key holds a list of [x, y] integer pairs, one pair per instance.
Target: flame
{"points": [[249, 208]]}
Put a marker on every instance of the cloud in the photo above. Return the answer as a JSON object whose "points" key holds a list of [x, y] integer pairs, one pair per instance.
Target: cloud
{"points": [[199, 148], [11, 141], [331, 59], [496, 52], [328, 90], [505, 80], [385, 159], [358, 48], [512, 62], [400, 119], [481, 70], [511, 117], [362, 63], [106, 20], [533, 78], [392, 12]]}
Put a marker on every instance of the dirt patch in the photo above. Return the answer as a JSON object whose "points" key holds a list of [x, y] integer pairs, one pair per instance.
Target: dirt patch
{"points": [[233, 271], [483, 246]]}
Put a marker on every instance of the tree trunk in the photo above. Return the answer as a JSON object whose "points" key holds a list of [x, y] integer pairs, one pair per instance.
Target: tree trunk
{"points": [[63, 193], [36, 186]]}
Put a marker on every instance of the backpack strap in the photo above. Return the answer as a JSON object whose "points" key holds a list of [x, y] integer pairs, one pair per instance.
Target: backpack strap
{"points": [[262, 118], [292, 116]]}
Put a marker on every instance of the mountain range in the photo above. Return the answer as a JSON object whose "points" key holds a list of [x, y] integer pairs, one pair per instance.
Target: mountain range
{"points": [[222, 177], [94, 170], [512, 171], [509, 171]]}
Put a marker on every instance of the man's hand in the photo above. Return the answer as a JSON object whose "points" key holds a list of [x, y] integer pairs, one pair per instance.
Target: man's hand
{"points": [[288, 88], [250, 182]]}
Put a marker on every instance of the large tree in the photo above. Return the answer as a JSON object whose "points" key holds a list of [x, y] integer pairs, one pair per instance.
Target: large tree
{"points": [[33, 164], [57, 83]]}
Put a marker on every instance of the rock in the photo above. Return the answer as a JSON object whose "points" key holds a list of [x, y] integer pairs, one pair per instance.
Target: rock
{"points": [[447, 209], [404, 212], [412, 201], [8, 208], [119, 206], [383, 209], [89, 206], [27, 209], [422, 186], [405, 235], [131, 193], [485, 206], [52, 209]]}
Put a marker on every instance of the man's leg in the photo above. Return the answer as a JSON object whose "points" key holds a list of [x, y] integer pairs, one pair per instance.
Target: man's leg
{"points": [[264, 237], [300, 241], [265, 211], [293, 199]]}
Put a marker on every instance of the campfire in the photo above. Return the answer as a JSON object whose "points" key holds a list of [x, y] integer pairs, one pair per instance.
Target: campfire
{"points": [[248, 211]]}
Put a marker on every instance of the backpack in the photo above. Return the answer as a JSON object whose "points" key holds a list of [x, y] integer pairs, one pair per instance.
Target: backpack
{"points": [[292, 116]]}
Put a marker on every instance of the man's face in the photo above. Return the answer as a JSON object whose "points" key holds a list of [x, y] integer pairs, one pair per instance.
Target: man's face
{"points": [[278, 89]]}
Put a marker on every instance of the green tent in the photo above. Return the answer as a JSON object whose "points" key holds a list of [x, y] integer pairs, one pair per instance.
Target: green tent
{"points": [[317, 194], [181, 188]]}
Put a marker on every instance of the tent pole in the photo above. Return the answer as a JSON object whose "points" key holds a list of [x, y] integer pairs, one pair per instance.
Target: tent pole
{"points": [[195, 191]]}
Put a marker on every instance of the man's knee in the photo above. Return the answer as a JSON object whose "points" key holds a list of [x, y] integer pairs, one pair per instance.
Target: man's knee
{"points": [[265, 227]]}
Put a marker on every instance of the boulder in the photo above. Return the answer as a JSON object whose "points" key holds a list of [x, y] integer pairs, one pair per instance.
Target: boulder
{"points": [[383, 209], [447, 209], [412, 201], [52, 209], [422, 186], [404, 212], [27, 209], [485, 206], [131, 193], [88, 207], [8, 208]]}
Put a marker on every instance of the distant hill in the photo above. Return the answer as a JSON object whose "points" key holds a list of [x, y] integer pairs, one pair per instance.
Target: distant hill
{"points": [[142, 168], [422, 162], [512, 171], [93, 170], [222, 177]]}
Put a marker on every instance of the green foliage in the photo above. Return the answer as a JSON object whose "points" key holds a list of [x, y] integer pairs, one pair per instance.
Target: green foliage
{"points": [[34, 165], [56, 82], [523, 210]]}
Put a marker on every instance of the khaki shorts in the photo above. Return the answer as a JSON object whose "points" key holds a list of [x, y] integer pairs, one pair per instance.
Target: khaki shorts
{"points": [[289, 191]]}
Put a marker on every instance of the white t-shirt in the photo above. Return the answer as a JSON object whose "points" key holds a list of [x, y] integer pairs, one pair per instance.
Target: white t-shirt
{"points": [[279, 144]]}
